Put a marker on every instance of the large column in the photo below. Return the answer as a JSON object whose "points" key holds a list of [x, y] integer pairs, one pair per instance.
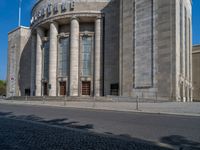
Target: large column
{"points": [[190, 45], [33, 57], [98, 57], [53, 58], [38, 80], [74, 57]]}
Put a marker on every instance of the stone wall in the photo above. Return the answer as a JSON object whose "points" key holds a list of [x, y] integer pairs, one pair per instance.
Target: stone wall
{"points": [[111, 45], [196, 72], [165, 43], [126, 47], [25, 62], [150, 51], [19, 62]]}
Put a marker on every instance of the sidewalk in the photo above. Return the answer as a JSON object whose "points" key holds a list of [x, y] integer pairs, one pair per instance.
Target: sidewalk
{"points": [[176, 108]]}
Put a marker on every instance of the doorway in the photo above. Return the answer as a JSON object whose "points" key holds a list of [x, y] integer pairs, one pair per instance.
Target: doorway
{"points": [[27, 92], [62, 88], [45, 89], [86, 87]]}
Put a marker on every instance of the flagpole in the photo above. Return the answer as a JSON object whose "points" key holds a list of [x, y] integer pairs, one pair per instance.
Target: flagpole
{"points": [[20, 9]]}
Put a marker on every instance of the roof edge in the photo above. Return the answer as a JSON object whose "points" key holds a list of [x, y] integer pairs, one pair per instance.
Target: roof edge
{"points": [[24, 27]]}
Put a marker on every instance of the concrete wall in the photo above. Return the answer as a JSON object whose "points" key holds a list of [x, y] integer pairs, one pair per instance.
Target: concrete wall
{"points": [[19, 62], [196, 72], [126, 47], [25, 62], [150, 51], [166, 51], [111, 45]]}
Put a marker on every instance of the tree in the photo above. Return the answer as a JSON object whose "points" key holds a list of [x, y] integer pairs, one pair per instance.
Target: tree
{"points": [[2, 87]]}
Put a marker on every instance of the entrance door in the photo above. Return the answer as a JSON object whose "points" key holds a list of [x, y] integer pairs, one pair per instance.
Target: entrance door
{"points": [[62, 88], [27, 92], [86, 88], [45, 89]]}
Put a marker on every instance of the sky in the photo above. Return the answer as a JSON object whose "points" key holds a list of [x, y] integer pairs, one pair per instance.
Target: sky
{"points": [[9, 21]]}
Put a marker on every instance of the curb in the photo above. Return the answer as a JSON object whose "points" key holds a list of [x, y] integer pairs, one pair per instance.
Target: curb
{"points": [[98, 108]]}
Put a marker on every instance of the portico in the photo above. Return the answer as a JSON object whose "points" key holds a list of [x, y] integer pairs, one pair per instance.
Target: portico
{"points": [[69, 57]]}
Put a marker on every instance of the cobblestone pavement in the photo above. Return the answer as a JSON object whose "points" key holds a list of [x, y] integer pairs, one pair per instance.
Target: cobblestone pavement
{"points": [[24, 127], [26, 135]]}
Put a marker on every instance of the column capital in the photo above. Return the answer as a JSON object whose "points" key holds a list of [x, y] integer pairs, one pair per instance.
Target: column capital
{"points": [[99, 17], [74, 18], [40, 31], [54, 22]]}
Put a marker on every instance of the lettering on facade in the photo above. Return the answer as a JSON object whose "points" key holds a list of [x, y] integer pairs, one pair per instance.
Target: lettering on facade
{"points": [[50, 9]]}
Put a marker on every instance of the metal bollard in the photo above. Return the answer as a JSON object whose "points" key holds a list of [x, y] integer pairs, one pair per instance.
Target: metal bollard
{"points": [[43, 100], [93, 106], [137, 103], [156, 97], [65, 100]]}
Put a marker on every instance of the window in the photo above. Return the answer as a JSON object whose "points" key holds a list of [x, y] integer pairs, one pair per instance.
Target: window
{"points": [[46, 60], [86, 55], [63, 57]]}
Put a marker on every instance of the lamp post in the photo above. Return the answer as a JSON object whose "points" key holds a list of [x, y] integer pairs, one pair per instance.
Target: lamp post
{"points": [[20, 9]]}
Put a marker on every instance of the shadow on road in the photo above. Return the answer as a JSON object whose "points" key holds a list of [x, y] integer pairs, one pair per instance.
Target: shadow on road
{"points": [[174, 141], [64, 122], [87, 139], [181, 142]]}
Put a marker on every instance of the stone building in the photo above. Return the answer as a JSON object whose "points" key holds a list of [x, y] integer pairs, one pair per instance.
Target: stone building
{"points": [[196, 72], [104, 47]]}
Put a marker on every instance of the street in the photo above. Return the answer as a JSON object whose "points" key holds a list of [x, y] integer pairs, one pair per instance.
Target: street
{"points": [[42, 127]]}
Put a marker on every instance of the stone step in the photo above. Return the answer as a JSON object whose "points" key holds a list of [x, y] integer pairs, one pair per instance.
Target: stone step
{"points": [[86, 99], [59, 98]]}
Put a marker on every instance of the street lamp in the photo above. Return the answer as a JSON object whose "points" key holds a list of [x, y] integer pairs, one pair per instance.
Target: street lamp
{"points": [[19, 22]]}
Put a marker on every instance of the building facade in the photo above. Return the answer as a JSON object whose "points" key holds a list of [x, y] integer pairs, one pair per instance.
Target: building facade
{"points": [[105, 47], [196, 72]]}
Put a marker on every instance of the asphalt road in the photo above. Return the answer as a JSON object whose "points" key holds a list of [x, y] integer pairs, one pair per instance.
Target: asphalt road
{"points": [[68, 128]]}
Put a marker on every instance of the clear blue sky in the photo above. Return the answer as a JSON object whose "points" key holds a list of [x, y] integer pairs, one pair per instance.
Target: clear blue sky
{"points": [[9, 21]]}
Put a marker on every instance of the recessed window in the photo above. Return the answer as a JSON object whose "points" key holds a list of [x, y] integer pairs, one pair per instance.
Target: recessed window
{"points": [[46, 61], [86, 55], [63, 57]]}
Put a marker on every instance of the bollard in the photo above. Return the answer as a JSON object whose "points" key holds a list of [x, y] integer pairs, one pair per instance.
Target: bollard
{"points": [[26, 98], [137, 103], [93, 106], [65, 100], [43, 100], [156, 97]]}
